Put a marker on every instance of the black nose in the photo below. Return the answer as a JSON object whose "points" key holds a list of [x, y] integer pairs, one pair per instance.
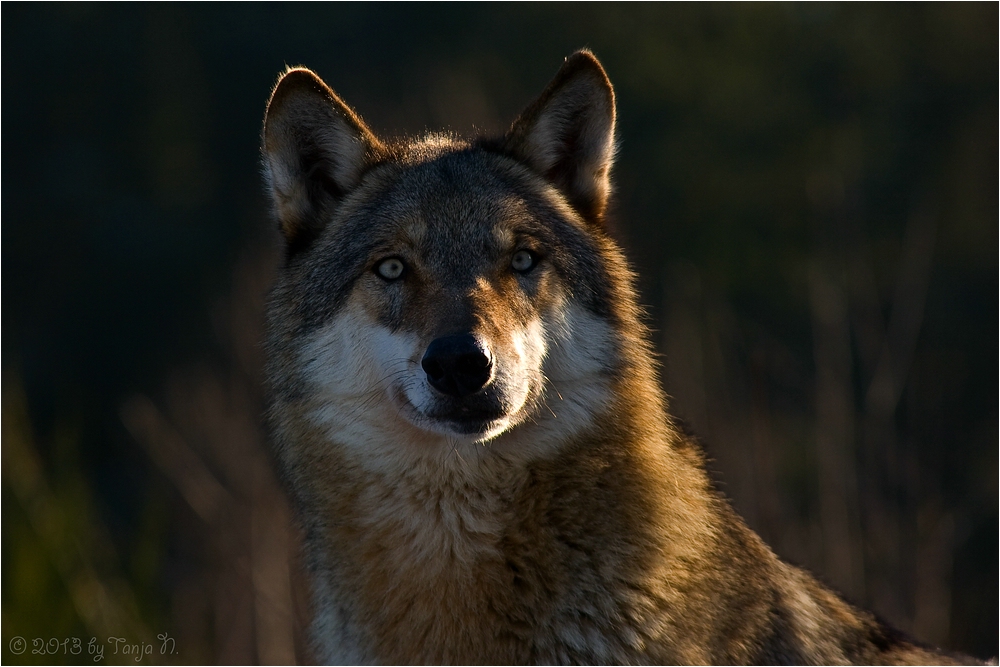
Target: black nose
{"points": [[457, 365]]}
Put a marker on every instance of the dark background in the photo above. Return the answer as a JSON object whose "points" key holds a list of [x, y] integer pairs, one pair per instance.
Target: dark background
{"points": [[808, 192]]}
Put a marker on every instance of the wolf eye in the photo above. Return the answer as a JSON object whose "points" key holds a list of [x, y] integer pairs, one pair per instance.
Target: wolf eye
{"points": [[390, 269], [523, 261]]}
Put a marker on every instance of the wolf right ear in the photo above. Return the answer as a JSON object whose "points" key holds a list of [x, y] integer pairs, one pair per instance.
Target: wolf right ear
{"points": [[315, 151], [567, 134]]}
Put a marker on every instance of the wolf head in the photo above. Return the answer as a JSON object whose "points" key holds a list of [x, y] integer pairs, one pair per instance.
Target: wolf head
{"points": [[444, 291]]}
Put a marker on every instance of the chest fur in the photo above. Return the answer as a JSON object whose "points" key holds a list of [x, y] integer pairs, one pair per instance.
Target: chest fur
{"points": [[421, 573], [505, 574]]}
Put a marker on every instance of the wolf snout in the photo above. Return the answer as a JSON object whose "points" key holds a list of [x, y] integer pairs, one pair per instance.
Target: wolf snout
{"points": [[458, 365]]}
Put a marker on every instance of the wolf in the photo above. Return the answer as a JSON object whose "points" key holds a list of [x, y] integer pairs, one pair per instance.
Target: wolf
{"points": [[466, 411]]}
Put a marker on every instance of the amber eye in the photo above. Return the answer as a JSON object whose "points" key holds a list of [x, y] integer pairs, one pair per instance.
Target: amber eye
{"points": [[390, 269], [523, 261]]}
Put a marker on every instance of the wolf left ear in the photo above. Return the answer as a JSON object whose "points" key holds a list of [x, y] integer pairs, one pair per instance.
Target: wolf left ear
{"points": [[315, 151], [567, 134]]}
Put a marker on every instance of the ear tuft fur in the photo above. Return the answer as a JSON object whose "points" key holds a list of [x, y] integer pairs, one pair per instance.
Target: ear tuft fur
{"points": [[567, 134], [315, 151]]}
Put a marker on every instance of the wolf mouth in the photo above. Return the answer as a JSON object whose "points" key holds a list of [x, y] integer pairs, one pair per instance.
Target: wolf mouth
{"points": [[468, 420], [454, 417], [471, 426]]}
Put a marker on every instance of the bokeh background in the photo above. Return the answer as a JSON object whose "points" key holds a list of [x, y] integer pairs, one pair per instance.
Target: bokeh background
{"points": [[809, 193]]}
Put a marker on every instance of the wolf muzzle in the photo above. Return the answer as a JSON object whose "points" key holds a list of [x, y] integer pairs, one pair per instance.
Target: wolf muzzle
{"points": [[458, 365]]}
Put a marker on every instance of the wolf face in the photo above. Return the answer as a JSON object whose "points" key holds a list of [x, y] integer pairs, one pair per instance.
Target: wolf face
{"points": [[440, 288], [446, 311]]}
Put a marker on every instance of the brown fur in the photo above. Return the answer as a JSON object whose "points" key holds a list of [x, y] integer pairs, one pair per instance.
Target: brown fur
{"points": [[587, 536]]}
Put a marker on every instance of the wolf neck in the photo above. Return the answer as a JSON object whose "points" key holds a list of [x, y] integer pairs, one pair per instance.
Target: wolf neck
{"points": [[429, 558]]}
